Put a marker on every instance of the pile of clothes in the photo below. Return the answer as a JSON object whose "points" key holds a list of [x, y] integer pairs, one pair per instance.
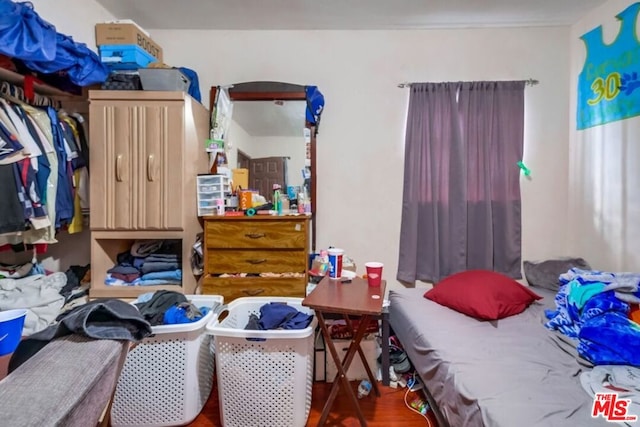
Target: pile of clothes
{"points": [[277, 315], [169, 308], [148, 263], [592, 308]]}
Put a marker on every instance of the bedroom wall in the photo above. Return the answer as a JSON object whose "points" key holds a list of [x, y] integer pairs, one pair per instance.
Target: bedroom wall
{"points": [[361, 139], [603, 186], [73, 17], [64, 15]]}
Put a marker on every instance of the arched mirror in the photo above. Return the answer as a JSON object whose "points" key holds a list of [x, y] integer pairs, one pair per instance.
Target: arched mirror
{"points": [[269, 135]]}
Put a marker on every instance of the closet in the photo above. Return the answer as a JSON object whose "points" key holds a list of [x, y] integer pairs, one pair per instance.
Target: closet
{"points": [[44, 153], [147, 150]]}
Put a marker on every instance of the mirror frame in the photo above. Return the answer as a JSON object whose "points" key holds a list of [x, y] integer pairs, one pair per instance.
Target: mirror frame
{"points": [[277, 91]]}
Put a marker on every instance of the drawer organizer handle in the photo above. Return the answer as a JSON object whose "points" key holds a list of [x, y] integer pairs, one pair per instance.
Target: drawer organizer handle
{"points": [[255, 235], [256, 261], [150, 164], [119, 168], [253, 292]]}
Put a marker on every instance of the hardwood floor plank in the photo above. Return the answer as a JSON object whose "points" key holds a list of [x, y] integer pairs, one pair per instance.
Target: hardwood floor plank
{"points": [[388, 410]]}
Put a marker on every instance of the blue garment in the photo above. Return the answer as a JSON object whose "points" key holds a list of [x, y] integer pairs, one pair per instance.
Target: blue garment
{"points": [[64, 191], [26, 36], [163, 275], [23, 34], [610, 339], [315, 104], [157, 282], [12, 143], [282, 316], [178, 314], [194, 84], [150, 267], [44, 167]]}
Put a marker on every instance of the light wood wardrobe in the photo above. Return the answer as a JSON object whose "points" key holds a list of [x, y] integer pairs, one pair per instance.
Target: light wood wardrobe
{"points": [[146, 151]]}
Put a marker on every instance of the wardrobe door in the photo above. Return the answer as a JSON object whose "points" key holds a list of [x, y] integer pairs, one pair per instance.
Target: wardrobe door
{"points": [[159, 185], [112, 165]]}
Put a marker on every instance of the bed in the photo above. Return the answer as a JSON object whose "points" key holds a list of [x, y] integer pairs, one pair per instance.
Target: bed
{"points": [[509, 372]]}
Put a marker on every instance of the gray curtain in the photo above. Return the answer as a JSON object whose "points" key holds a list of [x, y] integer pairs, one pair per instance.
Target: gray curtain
{"points": [[461, 199]]}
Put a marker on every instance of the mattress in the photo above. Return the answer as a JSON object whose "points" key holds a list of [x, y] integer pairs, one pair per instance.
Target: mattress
{"points": [[509, 372]]}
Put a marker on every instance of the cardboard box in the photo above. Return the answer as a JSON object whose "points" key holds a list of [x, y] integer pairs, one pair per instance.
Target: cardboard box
{"points": [[109, 34], [356, 371], [240, 178]]}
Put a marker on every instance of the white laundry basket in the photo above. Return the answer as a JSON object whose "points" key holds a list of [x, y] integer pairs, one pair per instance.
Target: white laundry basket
{"points": [[264, 377], [167, 378]]}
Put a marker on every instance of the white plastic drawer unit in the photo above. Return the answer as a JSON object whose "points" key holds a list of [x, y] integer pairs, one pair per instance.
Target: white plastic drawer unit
{"points": [[211, 188]]}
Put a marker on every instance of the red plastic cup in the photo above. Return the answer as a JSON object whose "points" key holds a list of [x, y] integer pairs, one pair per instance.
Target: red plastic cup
{"points": [[374, 273]]}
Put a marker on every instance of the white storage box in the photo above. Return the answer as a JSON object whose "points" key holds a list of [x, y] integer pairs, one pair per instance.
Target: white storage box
{"points": [[264, 377], [356, 371], [167, 378], [170, 79], [210, 189]]}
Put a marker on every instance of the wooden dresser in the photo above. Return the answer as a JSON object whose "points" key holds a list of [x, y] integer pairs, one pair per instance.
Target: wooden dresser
{"points": [[269, 249]]}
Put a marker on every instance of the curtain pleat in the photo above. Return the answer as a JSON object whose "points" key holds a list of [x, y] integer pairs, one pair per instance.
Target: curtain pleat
{"points": [[461, 195]]}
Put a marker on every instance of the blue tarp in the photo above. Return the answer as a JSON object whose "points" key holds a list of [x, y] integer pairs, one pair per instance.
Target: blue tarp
{"points": [[26, 36]]}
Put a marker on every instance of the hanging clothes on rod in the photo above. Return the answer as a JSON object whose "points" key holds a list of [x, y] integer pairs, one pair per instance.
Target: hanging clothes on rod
{"points": [[43, 169]]}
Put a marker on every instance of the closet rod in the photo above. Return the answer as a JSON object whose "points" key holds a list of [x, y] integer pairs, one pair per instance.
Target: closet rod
{"points": [[528, 82]]}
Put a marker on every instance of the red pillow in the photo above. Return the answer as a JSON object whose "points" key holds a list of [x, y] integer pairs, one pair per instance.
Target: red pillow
{"points": [[482, 294]]}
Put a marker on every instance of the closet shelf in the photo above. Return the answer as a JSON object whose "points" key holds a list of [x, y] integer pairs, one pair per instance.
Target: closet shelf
{"points": [[41, 88]]}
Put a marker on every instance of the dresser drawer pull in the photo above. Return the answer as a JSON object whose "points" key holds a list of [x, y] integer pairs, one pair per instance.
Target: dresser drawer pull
{"points": [[253, 292], [255, 235], [256, 261]]}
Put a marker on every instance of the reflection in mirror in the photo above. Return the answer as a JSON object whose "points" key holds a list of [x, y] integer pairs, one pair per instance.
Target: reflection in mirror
{"points": [[268, 139], [272, 133]]}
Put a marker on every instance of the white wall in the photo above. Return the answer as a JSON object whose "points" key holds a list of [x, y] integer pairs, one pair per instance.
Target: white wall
{"points": [[292, 147], [361, 139], [604, 171], [76, 19]]}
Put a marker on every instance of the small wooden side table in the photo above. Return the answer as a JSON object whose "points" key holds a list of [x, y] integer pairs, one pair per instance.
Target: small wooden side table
{"points": [[354, 299]]}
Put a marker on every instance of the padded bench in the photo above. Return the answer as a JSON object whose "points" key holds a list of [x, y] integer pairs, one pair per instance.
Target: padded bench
{"points": [[68, 383]]}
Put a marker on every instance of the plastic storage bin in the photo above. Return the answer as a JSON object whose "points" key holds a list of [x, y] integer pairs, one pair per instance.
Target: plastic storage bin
{"points": [[164, 79], [167, 378], [211, 188], [125, 57], [264, 377]]}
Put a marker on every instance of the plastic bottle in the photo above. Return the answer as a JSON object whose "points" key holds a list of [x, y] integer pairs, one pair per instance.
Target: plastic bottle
{"points": [[363, 389], [277, 203]]}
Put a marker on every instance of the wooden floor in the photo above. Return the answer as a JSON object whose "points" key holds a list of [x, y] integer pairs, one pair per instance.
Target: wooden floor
{"points": [[389, 410]]}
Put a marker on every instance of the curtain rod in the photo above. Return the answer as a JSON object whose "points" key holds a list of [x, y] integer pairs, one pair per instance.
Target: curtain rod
{"points": [[528, 82]]}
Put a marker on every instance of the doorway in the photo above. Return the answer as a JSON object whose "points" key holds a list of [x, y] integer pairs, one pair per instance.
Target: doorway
{"points": [[265, 172], [243, 160]]}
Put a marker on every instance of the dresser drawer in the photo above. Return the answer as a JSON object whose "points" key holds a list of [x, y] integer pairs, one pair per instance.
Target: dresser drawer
{"points": [[239, 287], [256, 261], [256, 234]]}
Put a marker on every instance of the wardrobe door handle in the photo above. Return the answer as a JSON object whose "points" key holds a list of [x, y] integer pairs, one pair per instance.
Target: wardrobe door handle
{"points": [[253, 292], [255, 235], [256, 261], [150, 163], [119, 168]]}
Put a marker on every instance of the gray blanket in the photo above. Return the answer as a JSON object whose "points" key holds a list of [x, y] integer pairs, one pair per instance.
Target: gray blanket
{"points": [[510, 372]]}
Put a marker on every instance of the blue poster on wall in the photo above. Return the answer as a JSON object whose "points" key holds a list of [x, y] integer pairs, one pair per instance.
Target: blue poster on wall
{"points": [[609, 83]]}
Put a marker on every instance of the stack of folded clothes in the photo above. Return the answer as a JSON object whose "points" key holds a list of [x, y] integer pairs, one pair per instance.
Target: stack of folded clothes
{"points": [[147, 263]]}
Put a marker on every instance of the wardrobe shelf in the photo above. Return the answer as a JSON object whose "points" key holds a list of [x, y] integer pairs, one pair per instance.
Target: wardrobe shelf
{"points": [[129, 291], [41, 88]]}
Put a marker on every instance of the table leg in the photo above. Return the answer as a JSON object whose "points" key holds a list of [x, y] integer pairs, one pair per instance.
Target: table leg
{"points": [[385, 349], [364, 322], [342, 367]]}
